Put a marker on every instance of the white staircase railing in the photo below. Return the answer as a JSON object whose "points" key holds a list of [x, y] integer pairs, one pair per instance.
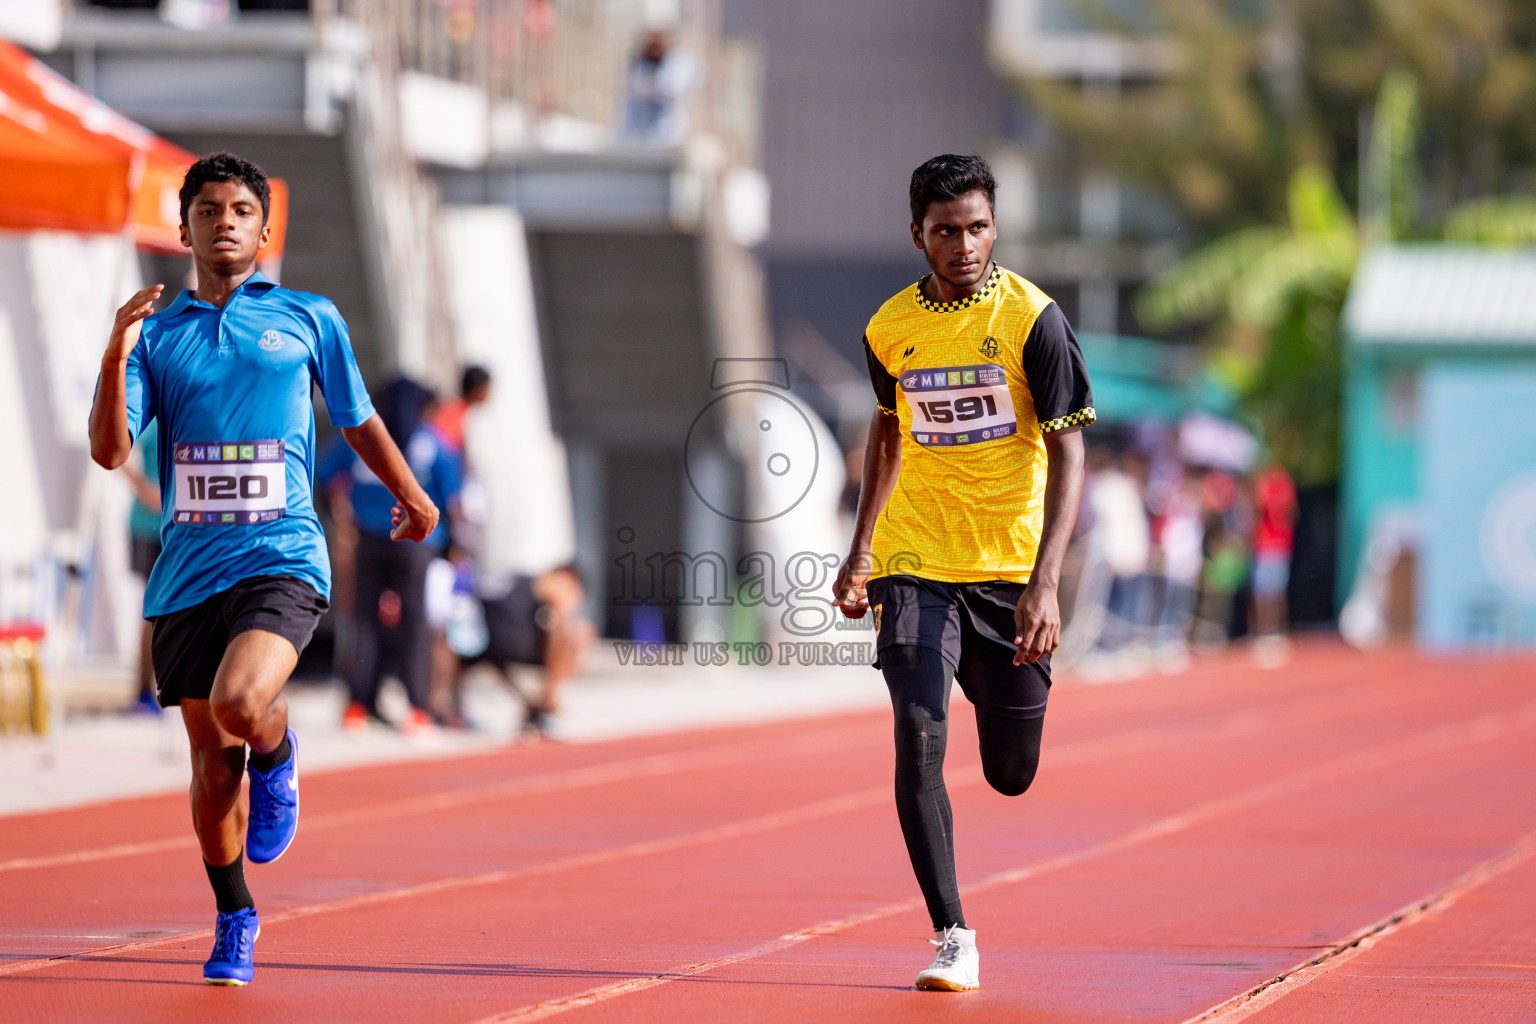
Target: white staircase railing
{"points": [[400, 216]]}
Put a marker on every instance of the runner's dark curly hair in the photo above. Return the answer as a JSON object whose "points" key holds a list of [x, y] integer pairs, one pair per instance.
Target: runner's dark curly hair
{"points": [[950, 176], [225, 167]]}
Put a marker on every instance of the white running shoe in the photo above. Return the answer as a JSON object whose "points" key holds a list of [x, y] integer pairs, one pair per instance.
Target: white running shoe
{"points": [[957, 968]]}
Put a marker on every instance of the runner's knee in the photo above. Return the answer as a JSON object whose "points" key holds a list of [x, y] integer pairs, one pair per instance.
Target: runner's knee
{"points": [[918, 679], [921, 735], [1009, 776], [240, 713], [1010, 751]]}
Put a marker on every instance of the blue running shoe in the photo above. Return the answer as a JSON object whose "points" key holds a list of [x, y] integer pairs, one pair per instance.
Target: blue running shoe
{"points": [[274, 816], [234, 944]]}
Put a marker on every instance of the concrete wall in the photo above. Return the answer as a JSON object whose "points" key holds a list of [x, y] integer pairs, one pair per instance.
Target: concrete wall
{"points": [[856, 94]]}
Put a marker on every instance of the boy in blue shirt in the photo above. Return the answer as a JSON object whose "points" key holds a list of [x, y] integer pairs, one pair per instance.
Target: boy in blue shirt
{"points": [[227, 370], [358, 496]]}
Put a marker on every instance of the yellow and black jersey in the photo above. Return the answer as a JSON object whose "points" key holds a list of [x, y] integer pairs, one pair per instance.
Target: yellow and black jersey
{"points": [[976, 384]]}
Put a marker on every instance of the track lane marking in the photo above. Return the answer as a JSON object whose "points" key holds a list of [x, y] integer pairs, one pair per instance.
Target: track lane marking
{"points": [[1260, 997], [1484, 728], [1238, 723], [1481, 729], [649, 766]]}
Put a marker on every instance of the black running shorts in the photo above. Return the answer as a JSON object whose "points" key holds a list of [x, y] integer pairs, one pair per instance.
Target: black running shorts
{"points": [[188, 645], [514, 624], [971, 625]]}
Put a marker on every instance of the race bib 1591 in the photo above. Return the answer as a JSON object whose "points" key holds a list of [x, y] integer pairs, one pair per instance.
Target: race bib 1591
{"points": [[957, 405], [230, 484]]}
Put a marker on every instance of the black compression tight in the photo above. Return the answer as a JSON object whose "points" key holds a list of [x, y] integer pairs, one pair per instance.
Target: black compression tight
{"points": [[919, 680]]}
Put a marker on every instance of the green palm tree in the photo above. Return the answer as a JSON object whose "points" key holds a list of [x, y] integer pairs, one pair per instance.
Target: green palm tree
{"points": [[1270, 297]]}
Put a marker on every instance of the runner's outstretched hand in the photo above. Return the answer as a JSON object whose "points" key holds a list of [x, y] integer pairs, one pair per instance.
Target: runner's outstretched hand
{"points": [[1036, 624], [417, 525], [128, 322], [848, 590]]}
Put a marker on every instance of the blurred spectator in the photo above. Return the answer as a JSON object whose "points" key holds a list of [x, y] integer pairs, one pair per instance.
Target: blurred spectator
{"points": [[144, 546], [1274, 538], [1226, 556], [1180, 536], [195, 15], [220, 9], [537, 622], [449, 420], [1117, 497], [658, 80], [390, 582]]}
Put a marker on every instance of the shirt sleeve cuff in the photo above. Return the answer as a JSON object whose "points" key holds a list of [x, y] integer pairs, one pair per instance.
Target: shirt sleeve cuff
{"points": [[882, 408], [1081, 418], [353, 417]]}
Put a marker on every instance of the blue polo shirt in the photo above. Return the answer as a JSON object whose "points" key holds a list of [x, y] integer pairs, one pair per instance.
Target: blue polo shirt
{"points": [[231, 390]]}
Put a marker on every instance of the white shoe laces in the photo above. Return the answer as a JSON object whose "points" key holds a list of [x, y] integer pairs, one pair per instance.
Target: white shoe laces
{"points": [[950, 948]]}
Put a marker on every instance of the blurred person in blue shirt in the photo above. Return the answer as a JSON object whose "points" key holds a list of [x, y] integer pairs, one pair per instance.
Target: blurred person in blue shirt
{"points": [[390, 580], [144, 547]]}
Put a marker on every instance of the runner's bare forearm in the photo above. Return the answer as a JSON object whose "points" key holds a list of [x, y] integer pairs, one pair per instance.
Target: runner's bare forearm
{"points": [[882, 466], [111, 442], [1063, 492], [374, 446]]}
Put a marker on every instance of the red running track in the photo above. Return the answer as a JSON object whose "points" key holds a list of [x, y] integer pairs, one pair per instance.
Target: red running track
{"points": [[1352, 837]]}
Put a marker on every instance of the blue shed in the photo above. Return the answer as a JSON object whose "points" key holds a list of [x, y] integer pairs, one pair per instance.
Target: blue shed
{"points": [[1440, 437]]}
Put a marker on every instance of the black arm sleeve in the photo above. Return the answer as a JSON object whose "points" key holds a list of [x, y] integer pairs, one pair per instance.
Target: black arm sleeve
{"points": [[1057, 375], [880, 377]]}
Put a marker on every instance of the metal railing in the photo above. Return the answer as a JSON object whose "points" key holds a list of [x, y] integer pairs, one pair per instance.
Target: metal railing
{"points": [[553, 59], [402, 202], [570, 58]]}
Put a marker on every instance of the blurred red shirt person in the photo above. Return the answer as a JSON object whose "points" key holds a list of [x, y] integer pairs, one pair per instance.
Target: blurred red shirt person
{"points": [[449, 420], [1274, 538], [1274, 500]]}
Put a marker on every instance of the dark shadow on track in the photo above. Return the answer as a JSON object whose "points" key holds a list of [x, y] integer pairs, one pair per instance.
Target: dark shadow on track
{"points": [[430, 970]]}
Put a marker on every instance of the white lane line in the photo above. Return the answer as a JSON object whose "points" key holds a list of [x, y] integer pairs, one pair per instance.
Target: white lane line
{"points": [[1246, 1004], [1087, 751], [1482, 729], [651, 766]]}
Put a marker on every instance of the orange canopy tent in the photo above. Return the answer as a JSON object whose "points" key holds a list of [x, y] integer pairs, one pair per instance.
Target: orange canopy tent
{"points": [[70, 163]]}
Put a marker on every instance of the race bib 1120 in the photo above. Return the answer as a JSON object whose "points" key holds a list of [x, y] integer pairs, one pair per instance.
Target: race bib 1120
{"points": [[959, 405], [230, 484]]}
